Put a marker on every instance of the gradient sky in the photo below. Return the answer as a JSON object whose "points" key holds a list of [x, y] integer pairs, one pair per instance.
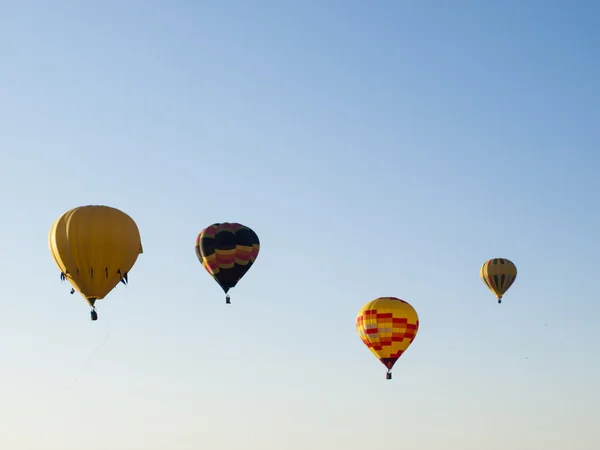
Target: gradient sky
{"points": [[377, 148]]}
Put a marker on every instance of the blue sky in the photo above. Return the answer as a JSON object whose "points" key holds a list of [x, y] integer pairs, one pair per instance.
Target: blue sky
{"points": [[378, 149]]}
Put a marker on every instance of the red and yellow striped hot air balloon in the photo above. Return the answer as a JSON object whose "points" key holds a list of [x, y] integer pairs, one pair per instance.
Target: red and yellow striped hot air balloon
{"points": [[498, 274], [227, 251], [387, 326]]}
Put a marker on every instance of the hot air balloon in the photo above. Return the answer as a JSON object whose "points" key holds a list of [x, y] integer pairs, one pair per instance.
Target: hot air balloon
{"points": [[498, 274], [387, 326], [227, 251], [94, 247]]}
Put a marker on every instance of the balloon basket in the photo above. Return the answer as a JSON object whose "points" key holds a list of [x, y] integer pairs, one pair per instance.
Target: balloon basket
{"points": [[388, 376]]}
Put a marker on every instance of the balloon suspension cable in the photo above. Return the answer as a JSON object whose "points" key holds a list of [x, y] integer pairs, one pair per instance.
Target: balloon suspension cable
{"points": [[228, 299], [87, 362], [388, 375]]}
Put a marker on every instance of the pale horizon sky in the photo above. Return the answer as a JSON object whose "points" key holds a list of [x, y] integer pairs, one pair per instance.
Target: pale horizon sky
{"points": [[377, 149]]}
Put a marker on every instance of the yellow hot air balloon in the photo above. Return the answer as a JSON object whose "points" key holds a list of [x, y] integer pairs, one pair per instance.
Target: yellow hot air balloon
{"points": [[498, 274], [95, 247], [387, 326]]}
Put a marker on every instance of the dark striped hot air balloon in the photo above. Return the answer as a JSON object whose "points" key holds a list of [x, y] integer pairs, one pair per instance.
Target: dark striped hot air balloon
{"points": [[227, 251], [498, 274]]}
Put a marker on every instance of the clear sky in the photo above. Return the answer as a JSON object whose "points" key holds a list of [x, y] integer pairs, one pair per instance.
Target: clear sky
{"points": [[377, 148]]}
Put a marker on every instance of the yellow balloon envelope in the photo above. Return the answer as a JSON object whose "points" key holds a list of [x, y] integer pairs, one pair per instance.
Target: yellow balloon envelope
{"points": [[95, 247], [387, 326], [498, 274]]}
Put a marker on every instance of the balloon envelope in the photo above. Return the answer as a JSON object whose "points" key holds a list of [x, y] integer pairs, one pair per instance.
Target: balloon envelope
{"points": [[227, 251], [387, 326], [498, 274], [95, 247]]}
